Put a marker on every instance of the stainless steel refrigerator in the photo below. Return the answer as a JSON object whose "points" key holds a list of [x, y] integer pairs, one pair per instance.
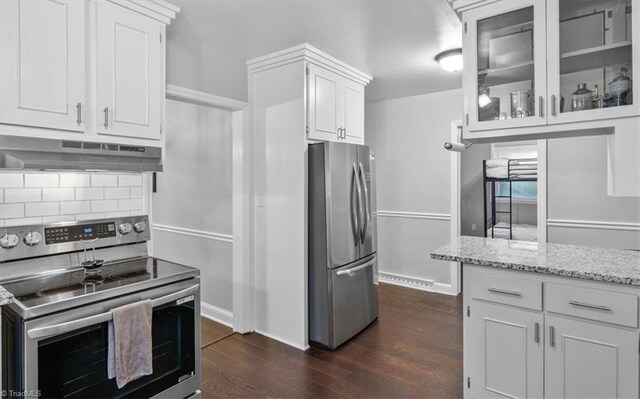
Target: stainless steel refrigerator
{"points": [[343, 284]]}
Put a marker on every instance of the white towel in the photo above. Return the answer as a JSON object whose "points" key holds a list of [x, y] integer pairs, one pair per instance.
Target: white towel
{"points": [[130, 352], [497, 163], [498, 173]]}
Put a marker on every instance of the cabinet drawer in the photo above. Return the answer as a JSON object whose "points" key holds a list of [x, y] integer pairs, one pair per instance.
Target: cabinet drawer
{"points": [[506, 290], [588, 303]]}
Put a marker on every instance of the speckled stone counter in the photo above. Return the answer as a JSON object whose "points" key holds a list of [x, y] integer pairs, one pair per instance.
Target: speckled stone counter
{"points": [[5, 297], [600, 264]]}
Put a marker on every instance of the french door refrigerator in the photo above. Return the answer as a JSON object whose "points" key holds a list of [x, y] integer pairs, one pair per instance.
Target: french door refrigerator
{"points": [[343, 284]]}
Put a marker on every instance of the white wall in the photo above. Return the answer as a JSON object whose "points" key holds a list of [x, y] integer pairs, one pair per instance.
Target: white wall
{"points": [[48, 197], [413, 181], [577, 192], [200, 67], [192, 208]]}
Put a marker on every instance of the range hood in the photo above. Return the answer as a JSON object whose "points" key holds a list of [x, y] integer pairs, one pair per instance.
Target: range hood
{"points": [[48, 154]]}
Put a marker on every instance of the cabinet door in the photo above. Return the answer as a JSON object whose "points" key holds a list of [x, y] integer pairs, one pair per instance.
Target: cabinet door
{"points": [[504, 77], [506, 352], [129, 73], [42, 63], [353, 112], [325, 102], [585, 360], [593, 58]]}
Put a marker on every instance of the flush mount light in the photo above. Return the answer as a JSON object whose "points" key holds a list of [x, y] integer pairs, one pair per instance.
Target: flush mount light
{"points": [[450, 60]]}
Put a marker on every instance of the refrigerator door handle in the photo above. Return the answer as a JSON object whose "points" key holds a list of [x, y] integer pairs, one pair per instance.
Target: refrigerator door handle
{"points": [[367, 215], [353, 270], [355, 219]]}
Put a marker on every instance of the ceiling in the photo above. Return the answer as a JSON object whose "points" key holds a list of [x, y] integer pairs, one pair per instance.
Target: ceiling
{"points": [[395, 41]]}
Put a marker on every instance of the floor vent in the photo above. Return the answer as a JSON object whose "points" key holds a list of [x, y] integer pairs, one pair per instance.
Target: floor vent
{"points": [[406, 281]]}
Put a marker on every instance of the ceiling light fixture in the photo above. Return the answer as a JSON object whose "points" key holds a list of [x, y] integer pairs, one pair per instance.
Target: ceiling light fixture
{"points": [[450, 60]]}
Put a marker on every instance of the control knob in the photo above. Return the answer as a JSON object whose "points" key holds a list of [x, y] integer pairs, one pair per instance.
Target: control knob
{"points": [[9, 241], [139, 227], [32, 238], [124, 228]]}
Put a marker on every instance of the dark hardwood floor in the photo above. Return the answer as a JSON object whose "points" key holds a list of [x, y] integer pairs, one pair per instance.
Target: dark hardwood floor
{"points": [[414, 350], [210, 332]]}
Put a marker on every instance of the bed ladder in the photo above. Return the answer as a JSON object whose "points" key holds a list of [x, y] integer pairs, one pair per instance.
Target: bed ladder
{"points": [[495, 212]]}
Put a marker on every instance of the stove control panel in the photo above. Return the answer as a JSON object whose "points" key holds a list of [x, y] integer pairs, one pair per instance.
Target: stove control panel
{"points": [[30, 241], [83, 232]]}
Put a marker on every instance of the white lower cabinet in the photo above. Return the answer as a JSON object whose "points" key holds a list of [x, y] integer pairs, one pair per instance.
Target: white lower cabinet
{"points": [[582, 344], [506, 352], [589, 361]]}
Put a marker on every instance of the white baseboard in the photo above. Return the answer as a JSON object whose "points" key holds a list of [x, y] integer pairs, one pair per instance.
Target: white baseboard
{"points": [[216, 314], [416, 283], [284, 341]]}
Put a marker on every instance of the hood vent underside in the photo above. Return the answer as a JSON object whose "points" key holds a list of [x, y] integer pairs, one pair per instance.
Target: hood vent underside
{"points": [[46, 154]]}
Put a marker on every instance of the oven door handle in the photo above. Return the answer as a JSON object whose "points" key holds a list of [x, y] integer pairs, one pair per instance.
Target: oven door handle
{"points": [[57, 329]]}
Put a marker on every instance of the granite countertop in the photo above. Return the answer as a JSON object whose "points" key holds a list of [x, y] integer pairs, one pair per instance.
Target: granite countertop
{"points": [[590, 263], [5, 296]]}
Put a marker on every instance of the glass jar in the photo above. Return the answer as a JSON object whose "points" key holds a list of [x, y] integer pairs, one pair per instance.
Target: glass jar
{"points": [[582, 98]]}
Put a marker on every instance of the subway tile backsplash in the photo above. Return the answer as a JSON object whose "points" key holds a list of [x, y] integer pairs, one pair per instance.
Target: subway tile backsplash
{"points": [[45, 197]]}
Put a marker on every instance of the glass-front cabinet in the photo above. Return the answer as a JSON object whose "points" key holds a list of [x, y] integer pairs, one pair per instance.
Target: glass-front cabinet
{"points": [[505, 77], [592, 47], [535, 62]]}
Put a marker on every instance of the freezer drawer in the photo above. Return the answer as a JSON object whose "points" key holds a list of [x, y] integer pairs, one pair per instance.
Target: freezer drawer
{"points": [[355, 299]]}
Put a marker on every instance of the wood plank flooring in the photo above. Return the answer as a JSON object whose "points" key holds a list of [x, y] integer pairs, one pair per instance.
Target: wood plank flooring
{"points": [[414, 350], [210, 332]]}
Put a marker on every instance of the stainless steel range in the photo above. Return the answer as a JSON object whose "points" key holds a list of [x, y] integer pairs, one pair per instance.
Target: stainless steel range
{"points": [[66, 278]]}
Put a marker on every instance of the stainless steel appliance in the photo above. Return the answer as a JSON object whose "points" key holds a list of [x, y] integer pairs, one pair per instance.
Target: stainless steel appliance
{"points": [[54, 334], [343, 285], [49, 154]]}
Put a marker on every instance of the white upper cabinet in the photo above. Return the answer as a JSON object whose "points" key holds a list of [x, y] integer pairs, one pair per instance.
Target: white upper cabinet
{"points": [[336, 107], [42, 63], [129, 72], [505, 71], [592, 58], [539, 63], [353, 112], [324, 102], [83, 70]]}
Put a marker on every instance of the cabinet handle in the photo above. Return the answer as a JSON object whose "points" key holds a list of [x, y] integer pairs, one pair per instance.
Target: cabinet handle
{"points": [[553, 105], [505, 292], [79, 113], [552, 337], [106, 117], [590, 306], [344, 133], [540, 105], [536, 333]]}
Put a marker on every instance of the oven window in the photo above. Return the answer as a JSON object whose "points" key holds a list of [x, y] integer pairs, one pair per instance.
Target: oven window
{"points": [[74, 365]]}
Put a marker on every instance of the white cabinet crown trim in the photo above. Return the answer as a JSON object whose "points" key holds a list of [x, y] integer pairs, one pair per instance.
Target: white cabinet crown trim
{"points": [[306, 52], [156, 9]]}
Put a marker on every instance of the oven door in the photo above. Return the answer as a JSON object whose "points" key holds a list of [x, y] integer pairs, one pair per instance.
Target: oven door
{"points": [[66, 354]]}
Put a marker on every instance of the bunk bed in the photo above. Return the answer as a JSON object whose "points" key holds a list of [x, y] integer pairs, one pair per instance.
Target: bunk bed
{"points": [[501, 171]]}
